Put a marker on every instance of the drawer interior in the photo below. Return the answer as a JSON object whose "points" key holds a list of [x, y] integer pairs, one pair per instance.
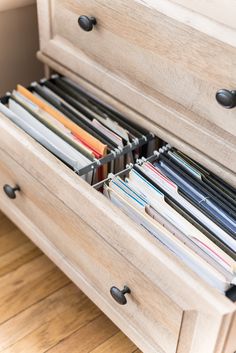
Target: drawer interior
{"points": [[120, 162]]}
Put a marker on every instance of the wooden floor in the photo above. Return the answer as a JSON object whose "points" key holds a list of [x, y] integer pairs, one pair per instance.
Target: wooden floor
{"points": [[42, 311]]}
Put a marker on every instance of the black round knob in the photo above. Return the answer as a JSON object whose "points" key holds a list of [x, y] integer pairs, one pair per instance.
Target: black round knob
{"points": [[87, 23], [119, 295], [226, 98], [10, 191]]}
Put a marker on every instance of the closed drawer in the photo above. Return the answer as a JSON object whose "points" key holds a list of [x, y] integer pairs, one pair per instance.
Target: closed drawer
{"points": [[157, 65], [223, 13], [169, 307]]}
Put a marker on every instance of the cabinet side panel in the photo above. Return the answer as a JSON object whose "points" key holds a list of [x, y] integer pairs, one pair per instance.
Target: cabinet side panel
{"points": [[231, 340]]}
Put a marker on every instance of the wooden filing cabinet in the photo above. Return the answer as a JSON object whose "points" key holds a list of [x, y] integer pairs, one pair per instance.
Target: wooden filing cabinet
{"points": [[161, 70]]}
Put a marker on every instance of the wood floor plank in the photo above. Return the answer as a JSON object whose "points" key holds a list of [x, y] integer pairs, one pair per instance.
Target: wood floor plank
{"points": [[68, 307], [87, 338], [42, 311], [22, 293], [57, 330], [12, 240], [116, 344], [24, 274], [2, 215], [5, 225], [18, 257]]}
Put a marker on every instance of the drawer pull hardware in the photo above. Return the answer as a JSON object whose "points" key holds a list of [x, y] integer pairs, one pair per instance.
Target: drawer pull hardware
{"points": [[87, 23], [119, 295], [10, 191], [226, 98]]}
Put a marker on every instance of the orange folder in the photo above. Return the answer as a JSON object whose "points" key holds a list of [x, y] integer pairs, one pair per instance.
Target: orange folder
{"points": [[83, 135]]}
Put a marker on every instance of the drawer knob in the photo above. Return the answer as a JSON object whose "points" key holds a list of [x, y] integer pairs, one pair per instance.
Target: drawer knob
{"points": [[226, 98], [119, 295], [87, 23], [10, 191]]}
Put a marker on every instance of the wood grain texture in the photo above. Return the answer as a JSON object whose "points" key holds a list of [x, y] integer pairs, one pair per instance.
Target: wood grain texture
{"points": [[230, 346], [175, 98], [35, 208], [23, 287], [8, 245], [187, 331], [6, 226], [54, 317], [11, 260], [68, 302], [89, 337], [63, 325], [98, 262], [221, 13], [176, 92], [115, 344], [47, 247]]}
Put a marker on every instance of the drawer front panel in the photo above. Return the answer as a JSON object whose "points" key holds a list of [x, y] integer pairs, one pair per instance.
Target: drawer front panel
{"points": [[77, 220], [223, 13], [155, 59], [148, 310]]}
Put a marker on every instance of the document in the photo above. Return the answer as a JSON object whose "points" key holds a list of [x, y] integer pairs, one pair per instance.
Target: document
{"points": [[211, 179], [68, 98], [53, 124], [99, 106], [171, 189], [76, 116], [108, 133], [44, 136], [75, 129], [202, 199], [197, 175], [156, 199], [195, 262]]}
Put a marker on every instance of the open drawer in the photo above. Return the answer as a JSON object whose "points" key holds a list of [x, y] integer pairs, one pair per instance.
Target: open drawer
{"points": [[95, 262], [169, 307]]}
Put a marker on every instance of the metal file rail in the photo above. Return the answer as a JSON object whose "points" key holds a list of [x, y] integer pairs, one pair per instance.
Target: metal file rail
{"points": [[116, 153], [140, 161]]}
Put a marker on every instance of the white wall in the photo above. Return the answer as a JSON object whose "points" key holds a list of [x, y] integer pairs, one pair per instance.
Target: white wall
{"points": [[13, 4], [18, 45]]}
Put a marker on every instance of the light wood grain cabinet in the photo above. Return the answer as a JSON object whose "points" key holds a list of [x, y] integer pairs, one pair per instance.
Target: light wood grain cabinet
{"points": [[222, 13], [169, 307], [161, 73], [169, 70]]}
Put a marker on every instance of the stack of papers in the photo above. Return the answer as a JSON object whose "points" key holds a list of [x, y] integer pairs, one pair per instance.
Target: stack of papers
{"points": [[153, 200], [77, 129]]}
